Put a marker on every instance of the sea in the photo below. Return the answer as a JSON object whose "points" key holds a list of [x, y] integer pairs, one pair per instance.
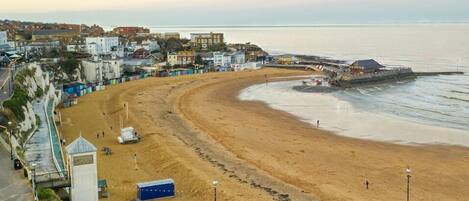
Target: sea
{"points": [[427, 110]]}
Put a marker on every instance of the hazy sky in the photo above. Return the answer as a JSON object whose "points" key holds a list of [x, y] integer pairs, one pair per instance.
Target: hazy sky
{"points": [[235, 12]]}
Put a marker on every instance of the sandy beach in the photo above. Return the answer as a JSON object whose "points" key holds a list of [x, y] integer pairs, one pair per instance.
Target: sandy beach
{"points": [[195, 130]]}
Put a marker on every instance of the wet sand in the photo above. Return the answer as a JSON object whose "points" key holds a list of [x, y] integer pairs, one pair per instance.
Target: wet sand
{"points": [[195, 130]]}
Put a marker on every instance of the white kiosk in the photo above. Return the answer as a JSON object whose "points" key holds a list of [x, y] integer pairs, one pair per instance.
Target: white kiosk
{"points": [[83, 170]]}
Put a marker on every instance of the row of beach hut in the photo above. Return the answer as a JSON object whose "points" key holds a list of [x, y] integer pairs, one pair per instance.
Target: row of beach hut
{"points": [[77, 89], [180, 71]]}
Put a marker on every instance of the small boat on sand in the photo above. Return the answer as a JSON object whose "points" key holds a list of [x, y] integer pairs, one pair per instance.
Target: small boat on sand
{"points": [[316, 81]]}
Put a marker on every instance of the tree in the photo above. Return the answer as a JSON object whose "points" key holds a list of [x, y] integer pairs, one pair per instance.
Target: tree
{"points": [[198, 60], [69, 65]]}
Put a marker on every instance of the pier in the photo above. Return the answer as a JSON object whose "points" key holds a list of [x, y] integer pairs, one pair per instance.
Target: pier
{"points": [[438, 73], [349, 80]]}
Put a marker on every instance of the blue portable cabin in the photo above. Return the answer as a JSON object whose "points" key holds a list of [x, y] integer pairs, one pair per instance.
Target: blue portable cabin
{"points": [[73, 88], [155, 189]]}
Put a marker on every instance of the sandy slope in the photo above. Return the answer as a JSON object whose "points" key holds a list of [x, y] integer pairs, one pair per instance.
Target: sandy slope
{"points": [[196, 130]]}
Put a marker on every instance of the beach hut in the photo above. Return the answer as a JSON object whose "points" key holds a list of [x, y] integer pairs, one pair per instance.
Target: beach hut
{"points": [[73, 88]]}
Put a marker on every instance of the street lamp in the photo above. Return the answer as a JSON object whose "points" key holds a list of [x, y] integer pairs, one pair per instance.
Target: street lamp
{"points": [[11, 143], [215, 184], [408, 171]]}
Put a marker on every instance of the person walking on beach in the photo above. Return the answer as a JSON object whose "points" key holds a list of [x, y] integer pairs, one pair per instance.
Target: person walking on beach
{"points": [[266, 80], [97, 135], [317, 123], [103, 134], [367, 183]]}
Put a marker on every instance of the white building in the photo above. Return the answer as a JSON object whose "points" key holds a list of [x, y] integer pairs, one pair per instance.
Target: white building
{"points": [[102, 45], [149, 45], [238, 58], [246, 66], [221, 59], [4, 41], [83, 170], [101, 70], [76, 48], [3, 38]]}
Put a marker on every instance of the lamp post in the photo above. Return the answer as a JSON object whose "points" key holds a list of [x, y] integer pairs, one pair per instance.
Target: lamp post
{"points": [[408, 171], [215, 184], [11, 143]]}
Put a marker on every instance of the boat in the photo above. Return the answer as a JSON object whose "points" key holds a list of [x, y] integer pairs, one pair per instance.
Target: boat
{"points": [[316, 81]]}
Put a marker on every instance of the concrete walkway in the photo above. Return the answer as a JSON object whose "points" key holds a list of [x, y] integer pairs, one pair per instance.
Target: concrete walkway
{"points": [[13, 185], [38, 148]]}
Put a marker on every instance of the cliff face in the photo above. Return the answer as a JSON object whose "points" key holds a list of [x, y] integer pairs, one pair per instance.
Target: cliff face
{"points": [[31, 84]]}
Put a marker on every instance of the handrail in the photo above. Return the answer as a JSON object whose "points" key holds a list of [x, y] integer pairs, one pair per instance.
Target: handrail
{"points": [[56, 163], [58, 135]]}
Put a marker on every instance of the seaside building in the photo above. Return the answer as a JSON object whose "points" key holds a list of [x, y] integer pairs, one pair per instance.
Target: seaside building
{"points": [[181, 58], [171, 35], [65, 35], [3, 38], [76, 48], [102, 45], [246, 66], [150, 35], [130, 31], [100, 70], [141, 53], [3, 41], [221, 59], [15, 45], [238, 57], [206, 40], [365, 66], [256, 55], [149, 45], [40, 46], [287, 60]]}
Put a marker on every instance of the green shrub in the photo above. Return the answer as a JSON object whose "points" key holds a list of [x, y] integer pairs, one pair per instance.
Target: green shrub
{"points": [[17, 101], [47, 194], [39, 92]]}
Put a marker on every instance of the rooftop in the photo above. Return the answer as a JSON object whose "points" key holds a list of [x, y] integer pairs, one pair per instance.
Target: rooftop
{"points": [[367, 64], [80, 145], [45, 32]]}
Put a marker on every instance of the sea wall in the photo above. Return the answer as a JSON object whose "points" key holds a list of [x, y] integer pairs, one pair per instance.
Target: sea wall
{"points": [[385, 76]]}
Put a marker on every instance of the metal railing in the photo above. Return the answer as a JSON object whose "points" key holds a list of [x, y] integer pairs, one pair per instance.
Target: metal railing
{"points": [[56, 149]]}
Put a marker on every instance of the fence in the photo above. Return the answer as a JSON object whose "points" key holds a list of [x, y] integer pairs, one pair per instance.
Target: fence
{"points": [[56, 179]]}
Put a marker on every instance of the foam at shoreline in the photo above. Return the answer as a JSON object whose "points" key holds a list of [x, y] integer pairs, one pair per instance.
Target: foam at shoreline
{"points": [[341, 117]]}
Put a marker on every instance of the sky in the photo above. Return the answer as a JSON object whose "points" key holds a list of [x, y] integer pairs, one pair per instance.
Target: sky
{"points": [[235, 12]]}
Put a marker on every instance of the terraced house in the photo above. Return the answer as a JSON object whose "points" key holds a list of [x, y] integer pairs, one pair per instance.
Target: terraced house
{"points": [[181, 58], [206, 40]]}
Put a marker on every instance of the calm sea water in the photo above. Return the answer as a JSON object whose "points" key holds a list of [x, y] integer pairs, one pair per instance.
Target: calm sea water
{"points": [[439, 101]]}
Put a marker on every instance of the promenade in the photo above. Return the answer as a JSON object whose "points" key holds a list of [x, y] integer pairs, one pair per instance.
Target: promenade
{"points": [[38, 148]]}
